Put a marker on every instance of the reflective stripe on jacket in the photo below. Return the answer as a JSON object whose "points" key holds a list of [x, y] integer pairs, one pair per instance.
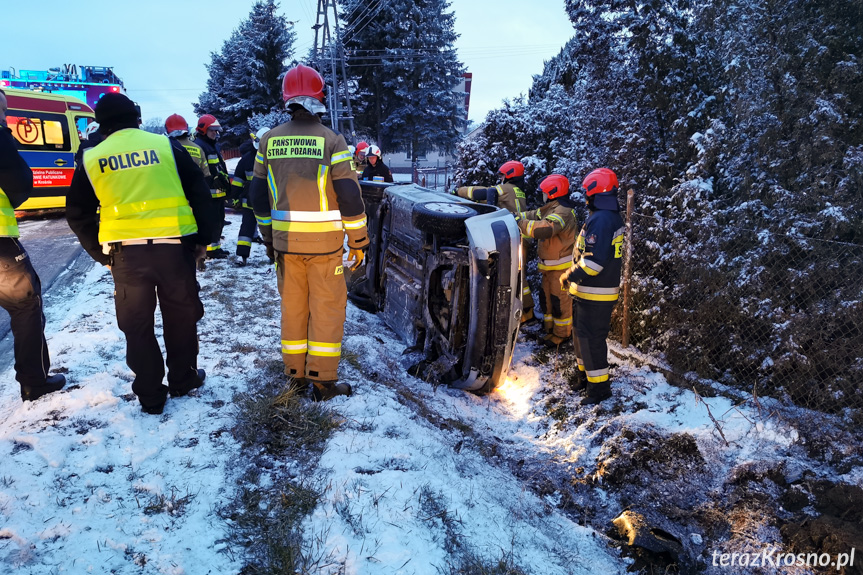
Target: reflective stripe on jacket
{"points": [[8, 223], [134, 175]]}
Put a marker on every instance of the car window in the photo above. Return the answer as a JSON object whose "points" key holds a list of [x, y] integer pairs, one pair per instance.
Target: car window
{"points": [[39, 130]]}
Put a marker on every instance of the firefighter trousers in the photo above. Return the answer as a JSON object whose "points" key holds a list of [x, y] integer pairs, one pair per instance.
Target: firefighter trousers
{"points": [[314, 300], [556, 305], [21, 296], [219, 212], [144, 274], [592, 323], [247, 231]]}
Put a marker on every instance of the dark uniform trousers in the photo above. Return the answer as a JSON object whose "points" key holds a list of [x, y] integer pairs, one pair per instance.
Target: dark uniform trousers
{"points": [[143, 274], [592, 324], [21, 296], [247, 230]]}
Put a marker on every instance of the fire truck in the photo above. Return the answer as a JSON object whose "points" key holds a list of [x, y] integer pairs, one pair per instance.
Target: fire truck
{"points": [[86, 83]]}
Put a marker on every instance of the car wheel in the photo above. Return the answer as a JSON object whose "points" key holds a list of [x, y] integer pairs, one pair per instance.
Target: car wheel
{"points": [[445, 219]]}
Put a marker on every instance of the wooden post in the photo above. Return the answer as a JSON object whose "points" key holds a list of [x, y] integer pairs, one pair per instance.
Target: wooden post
{"points": [[627, 267]]}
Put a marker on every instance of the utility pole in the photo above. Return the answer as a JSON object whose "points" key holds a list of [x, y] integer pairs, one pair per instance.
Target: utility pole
{"points": [[341, 118]]}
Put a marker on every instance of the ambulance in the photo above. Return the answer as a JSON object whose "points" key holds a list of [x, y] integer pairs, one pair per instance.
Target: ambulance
{"points": [[49, 129]]}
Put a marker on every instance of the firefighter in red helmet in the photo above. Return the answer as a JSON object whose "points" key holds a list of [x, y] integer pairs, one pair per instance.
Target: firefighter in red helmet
{"points": [[306, 197], [553, 226], [507, 194], [206, 133], [360, 160], [593, 281], [178, 130]]}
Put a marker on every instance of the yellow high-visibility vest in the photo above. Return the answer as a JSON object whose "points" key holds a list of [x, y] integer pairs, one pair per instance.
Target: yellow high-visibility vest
{"points": [[134, 175], [8, 223]]}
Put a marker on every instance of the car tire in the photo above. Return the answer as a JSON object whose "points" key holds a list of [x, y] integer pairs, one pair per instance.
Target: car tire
{"points": [[445, 219]]}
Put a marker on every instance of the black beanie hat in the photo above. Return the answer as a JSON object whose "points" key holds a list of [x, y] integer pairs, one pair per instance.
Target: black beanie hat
{"points": [[114, 108]]}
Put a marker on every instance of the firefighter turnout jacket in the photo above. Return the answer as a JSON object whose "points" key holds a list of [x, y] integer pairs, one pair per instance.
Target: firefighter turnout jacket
{"points": [[312, 196], [507, 195], [553, 225], [243, 174], [197, 153], [595, 271], [217, 179]]}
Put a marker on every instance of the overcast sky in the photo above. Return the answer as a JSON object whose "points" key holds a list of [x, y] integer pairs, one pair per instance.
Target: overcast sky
{"points": [[159, 47]]}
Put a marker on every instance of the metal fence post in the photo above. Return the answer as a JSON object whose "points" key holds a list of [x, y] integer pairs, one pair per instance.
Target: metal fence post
{"points": [[627, 266]]}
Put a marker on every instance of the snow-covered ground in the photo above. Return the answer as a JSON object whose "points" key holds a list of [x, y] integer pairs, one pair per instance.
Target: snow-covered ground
{"points": [[89, 484]]}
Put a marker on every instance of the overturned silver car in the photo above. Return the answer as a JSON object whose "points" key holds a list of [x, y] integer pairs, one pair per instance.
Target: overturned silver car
{"points": [[444, 274]]}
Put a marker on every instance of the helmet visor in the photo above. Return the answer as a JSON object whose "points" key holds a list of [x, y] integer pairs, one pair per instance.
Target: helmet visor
{"points": [[313, 105]]}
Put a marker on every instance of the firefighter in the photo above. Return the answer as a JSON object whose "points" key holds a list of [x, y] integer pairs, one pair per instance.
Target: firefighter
{"points": [[594, 281], [20, 288], [243, 174], [306, 197], [553, 226], [360, 160], [140, 206], [178, 130], [206, 133], [508, 195], [376, 167]]}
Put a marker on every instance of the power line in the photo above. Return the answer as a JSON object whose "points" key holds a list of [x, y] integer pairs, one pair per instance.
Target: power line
{"points": [[352, 31]]}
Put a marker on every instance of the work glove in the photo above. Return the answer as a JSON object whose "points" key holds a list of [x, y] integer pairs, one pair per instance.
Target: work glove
{"points": [[358, 255], [222, 183], [271, 253], [564, 281]]}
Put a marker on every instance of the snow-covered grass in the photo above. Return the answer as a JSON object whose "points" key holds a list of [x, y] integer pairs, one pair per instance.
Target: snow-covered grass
{"points": [[409, 478]]}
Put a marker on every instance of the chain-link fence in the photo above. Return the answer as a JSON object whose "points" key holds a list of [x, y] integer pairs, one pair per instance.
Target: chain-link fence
{"points": [[769, 313]]}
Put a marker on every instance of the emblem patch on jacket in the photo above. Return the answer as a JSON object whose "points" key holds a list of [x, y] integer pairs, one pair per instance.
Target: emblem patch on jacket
{"points": [[340, 270]]}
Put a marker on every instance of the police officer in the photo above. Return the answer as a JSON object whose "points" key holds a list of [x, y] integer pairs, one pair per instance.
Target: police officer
{"points": [[243, 174], [553, 226], [507, 194], [306, 196], [139, 205], [206, 133], [20, 288], [594, 281]]}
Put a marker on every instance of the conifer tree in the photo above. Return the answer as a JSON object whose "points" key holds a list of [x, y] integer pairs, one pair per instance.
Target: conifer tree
{"points": [[404, 65], [245, 75]]}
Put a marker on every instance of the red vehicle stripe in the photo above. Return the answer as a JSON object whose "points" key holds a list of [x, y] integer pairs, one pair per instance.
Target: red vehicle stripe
{"points": [[25, 103]]}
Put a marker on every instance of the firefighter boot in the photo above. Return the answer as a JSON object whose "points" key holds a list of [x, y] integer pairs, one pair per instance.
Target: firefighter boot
{"points": [[596, 392], [578, 381], [52, 383], [326, 390]]}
